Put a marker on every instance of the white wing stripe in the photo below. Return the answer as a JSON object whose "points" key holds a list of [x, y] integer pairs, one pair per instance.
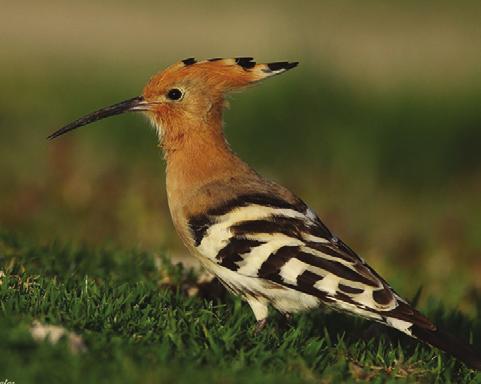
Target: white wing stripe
{"points": [[291, 270], [315, 252], [258, 255]]}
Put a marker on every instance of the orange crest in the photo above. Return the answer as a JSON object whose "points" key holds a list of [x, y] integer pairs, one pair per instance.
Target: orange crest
{"points": [[217, 75]]}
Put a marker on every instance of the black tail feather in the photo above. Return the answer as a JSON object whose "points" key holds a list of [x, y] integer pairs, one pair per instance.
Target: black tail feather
{"points": [[444, 341]]}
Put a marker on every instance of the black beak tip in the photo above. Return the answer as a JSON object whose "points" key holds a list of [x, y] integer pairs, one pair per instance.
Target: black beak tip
{"points": [[116, 109], [55, 134]]}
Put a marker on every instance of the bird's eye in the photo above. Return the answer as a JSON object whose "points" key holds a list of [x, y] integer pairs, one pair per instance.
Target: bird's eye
{"points": [[174, 94]]}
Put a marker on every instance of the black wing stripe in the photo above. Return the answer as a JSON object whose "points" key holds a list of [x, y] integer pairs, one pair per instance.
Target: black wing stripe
{"points": [[306, 287], [405, 312], [270, 269], [383, 296], [347, 299], [199, 225], [285, 225], [231, 253], [336, 268], [306, 281], [349, 289], [290, 226], [320, 229]]}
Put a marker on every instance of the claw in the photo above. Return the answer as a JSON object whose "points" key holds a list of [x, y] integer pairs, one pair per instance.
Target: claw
{"points": [[260, 325]]}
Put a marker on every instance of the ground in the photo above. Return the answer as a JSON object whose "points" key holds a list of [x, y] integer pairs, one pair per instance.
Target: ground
{"points": [[142, 319]]}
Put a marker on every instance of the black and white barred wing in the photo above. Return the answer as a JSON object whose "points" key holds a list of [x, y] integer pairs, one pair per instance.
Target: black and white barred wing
{"points": [[268, 238]]}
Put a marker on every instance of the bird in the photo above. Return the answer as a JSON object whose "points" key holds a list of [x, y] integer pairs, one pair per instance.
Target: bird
{"points": [[259, 239]]}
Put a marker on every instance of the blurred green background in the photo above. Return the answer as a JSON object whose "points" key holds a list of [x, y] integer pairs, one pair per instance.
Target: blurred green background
{"points": [[379, 128]]}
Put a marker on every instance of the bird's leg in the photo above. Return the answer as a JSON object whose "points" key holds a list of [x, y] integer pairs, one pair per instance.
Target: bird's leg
{"points": [[261, 311], [260, 325]]}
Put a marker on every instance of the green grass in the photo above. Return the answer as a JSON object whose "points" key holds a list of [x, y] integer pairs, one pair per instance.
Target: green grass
{"points": [[139, 325]]}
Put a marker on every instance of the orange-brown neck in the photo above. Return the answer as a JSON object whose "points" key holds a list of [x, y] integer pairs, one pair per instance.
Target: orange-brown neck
{"points": [[196, 158]]}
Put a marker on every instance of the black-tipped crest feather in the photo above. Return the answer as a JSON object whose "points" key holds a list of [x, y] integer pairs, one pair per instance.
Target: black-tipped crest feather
{"points": [[277, 66]]}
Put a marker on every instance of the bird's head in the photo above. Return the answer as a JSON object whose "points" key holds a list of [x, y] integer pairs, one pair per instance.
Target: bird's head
{"points": [[188, 94]]}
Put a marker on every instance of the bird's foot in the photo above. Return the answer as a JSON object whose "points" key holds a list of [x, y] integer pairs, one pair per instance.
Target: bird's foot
{"points": [[260, 325]]}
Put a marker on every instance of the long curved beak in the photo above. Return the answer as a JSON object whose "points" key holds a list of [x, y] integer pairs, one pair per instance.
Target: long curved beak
{"points": [[131, 105]]}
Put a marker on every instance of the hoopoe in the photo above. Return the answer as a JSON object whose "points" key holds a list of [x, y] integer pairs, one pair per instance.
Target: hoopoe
{"points": [[260, 240]]}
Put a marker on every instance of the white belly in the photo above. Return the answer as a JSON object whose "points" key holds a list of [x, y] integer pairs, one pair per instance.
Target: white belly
{"points": [[284, 299]]}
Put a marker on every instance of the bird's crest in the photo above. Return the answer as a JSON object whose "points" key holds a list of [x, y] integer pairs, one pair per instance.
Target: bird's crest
{"points": [[222, 74], [239, 67]]}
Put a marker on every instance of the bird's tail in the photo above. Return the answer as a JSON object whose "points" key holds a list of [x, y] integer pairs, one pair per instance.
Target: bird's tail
{"points": [[448, 343], [424, 330]]}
